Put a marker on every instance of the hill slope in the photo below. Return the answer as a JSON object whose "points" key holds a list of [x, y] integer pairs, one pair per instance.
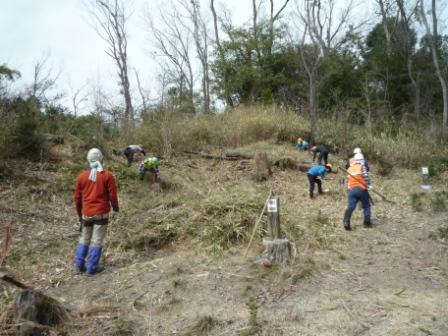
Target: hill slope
{"points": [[175, 266]]}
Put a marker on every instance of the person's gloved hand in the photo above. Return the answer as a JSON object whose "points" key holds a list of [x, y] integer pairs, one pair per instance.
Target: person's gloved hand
{"points": [[370, 187], [80, 219]]}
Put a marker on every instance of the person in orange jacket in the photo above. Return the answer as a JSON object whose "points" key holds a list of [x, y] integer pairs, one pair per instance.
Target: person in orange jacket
{"points": [[358, 184], [95, 194]]}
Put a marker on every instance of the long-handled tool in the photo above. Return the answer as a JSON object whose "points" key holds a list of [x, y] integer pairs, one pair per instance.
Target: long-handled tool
{"points": [[384, 198]]}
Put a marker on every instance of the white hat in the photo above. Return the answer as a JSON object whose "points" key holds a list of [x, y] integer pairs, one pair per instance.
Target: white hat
{"points": [[359, 156], [94, 154], [357, 150]]}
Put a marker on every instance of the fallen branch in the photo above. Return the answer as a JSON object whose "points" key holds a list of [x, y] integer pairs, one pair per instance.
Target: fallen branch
{"points": [[216, 157], [239, 155], [5, 277]]}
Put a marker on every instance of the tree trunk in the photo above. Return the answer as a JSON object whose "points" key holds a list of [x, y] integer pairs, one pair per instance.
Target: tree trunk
{"points": [[227, 94], [262, 167], [385, 27], [435, 59], [312, 106], [409, 47]]}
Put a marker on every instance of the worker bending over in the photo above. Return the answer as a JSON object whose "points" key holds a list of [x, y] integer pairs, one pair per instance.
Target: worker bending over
{"points": [[323, 154], [315, 176], [131, 150], [150, 165]]}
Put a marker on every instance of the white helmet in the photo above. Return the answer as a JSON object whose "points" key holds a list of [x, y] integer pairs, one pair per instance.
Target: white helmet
{"points": [[359, 157], [357, 150], [94, 154]]}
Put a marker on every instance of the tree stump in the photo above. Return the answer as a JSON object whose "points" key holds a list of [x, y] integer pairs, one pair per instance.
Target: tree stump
{"points": [[277, 250], [262, 167], [35, 307]]}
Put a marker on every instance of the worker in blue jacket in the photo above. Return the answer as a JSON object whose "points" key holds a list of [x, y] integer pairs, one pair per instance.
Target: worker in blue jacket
{"points": [[315, 176]]}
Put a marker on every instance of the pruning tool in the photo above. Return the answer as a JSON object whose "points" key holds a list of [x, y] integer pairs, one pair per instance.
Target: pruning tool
{"points": [[384, 198]]}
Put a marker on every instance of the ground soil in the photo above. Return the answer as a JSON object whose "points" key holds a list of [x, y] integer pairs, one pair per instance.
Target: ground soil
{"points": [[391, 279]]}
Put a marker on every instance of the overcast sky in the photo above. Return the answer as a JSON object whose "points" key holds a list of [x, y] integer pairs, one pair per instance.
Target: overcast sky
{"points": [[31, 29]]}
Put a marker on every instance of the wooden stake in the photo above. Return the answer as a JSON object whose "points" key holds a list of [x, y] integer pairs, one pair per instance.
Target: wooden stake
{"points": [[258, 222], [274, 217]]}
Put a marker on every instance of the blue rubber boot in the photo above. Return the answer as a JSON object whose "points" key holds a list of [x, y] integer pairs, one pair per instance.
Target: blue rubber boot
{"points": [[80, 256], [93, 260]]}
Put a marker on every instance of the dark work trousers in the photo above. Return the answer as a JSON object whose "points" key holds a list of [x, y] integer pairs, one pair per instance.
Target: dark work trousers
{"points": [[129, 155], [354, 196], [314, 179], [322, 156]]}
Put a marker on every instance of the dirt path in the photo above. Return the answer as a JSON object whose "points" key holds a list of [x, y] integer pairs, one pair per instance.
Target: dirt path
{"points": [[388, 280]]}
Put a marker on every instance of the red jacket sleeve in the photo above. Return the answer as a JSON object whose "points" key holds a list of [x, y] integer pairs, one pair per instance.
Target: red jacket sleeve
{"points": [[78, 196], [112, 191]]}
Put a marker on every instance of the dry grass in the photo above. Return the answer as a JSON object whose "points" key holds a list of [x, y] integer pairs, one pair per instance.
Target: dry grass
{"points": [[388, 146], [175, 261]]}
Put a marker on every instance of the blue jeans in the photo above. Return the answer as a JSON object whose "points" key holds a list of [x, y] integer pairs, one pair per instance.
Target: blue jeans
{"points": [[355, 195]]}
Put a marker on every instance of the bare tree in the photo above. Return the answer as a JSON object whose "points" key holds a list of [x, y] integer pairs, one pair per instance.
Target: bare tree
{"points": [[432, 32], [311, 65], [227, 94], [143, 95], [43, 80], [323, 32], [173, 39], [255, 9], [406, 17], [110, 21], [201, 40], [79, 97], [272, 18], [385, 14]]}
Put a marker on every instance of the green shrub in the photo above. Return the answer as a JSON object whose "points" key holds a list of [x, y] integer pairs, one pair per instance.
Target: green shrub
{"points": [[20, 135]]}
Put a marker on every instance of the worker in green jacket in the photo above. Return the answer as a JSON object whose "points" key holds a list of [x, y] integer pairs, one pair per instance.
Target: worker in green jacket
{"points": [[150, 165]]}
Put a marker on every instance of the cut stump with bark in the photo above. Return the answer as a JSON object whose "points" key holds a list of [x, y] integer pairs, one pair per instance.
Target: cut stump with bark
{"points": [[262, 167], [278, 250], [32, 312], [32, 306]]}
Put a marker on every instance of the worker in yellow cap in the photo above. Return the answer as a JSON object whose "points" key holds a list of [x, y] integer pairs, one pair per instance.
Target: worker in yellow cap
{"points": [[302, 145]]}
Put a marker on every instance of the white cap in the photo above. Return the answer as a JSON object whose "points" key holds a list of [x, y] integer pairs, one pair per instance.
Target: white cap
{"points": [[94, 154], [357, 150], [359, 156]]}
